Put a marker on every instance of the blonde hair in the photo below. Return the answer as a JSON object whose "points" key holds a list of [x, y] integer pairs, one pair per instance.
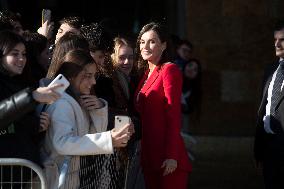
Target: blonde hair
{"points": [[118, 43]]}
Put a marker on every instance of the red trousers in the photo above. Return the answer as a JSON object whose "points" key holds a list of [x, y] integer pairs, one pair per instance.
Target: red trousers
{"points": [[176, 180]]}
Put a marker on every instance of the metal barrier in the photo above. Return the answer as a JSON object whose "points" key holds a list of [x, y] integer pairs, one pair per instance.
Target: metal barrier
{"points": [[20, 173]]}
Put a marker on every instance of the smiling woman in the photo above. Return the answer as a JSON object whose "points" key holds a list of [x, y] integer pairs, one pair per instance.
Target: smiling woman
{"points": [[78, 127], [16, 141], [18, 124], [164, 158], [123, 55], [15, 60], [16, 98]]}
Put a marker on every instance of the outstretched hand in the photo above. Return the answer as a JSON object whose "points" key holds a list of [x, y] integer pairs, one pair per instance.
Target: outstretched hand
{"points": [[47, 95], [120, 136]]}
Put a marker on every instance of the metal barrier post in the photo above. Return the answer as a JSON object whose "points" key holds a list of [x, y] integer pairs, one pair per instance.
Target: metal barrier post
{"points": [[25, 163]]}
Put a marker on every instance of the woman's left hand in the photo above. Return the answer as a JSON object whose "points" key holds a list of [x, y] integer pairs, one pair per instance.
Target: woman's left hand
{"points": [[91, 102], [169, 166], [44, 121]]}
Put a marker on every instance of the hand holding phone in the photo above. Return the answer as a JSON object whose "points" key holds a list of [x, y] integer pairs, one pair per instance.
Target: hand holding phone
{"points": [[60, 79], [47, 26], [120, 134], [45, 15], [121, 120]]}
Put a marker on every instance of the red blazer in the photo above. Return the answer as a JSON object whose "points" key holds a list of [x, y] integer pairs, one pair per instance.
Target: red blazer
{"points": [[159, 105]]}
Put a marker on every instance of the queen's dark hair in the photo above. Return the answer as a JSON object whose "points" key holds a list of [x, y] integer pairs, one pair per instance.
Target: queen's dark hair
{"points": [[163, 35]]}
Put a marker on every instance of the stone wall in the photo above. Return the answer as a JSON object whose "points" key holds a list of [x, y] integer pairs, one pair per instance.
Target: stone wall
{"points": [[234, 42]]}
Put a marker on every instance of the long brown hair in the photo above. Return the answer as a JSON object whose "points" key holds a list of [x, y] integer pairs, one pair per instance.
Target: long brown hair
{"points": [[67, 42], [163, 35], [73, 63], [8, 40]]}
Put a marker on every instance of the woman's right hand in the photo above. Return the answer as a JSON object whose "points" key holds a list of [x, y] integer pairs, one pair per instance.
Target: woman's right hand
{"points": [[120, 136], [47, 95], [46, 29]]}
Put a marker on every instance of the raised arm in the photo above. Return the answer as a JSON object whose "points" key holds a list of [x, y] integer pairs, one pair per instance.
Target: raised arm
{"points": [[16, 106]]}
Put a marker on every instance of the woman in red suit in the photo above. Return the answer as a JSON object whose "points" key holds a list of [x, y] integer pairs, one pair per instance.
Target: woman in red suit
{"points": [[163, 155]]}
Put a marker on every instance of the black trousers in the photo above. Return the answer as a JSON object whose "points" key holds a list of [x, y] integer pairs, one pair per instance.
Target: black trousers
{"points": [[273, 164]]}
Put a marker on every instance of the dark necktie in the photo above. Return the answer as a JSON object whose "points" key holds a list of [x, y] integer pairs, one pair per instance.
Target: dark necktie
{"points": [[276, 91]]}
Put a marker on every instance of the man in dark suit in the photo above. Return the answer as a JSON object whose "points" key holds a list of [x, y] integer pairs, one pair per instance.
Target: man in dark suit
{"points": [[269, 139]]}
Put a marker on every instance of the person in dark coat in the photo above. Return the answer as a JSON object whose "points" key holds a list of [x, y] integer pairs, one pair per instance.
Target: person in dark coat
{"points": [[269, 137], [19, 128]]}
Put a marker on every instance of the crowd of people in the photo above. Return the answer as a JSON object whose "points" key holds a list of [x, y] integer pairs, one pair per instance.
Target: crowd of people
{"points": [[154, 82]]}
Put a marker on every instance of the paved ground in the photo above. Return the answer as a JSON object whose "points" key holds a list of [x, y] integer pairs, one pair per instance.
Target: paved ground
{"points": [[223, 163]]}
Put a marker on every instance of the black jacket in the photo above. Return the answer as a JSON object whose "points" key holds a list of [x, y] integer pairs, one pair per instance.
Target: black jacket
{"points": [[19, 125], [16, 106], [268, 145]]}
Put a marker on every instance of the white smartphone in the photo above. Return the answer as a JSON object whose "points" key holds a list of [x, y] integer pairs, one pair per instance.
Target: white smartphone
{"points": [[121, 120], [45, 15], [60, 79]]}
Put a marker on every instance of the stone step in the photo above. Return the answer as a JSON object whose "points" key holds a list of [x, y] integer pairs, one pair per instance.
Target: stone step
{"points": [[223, 163]]}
